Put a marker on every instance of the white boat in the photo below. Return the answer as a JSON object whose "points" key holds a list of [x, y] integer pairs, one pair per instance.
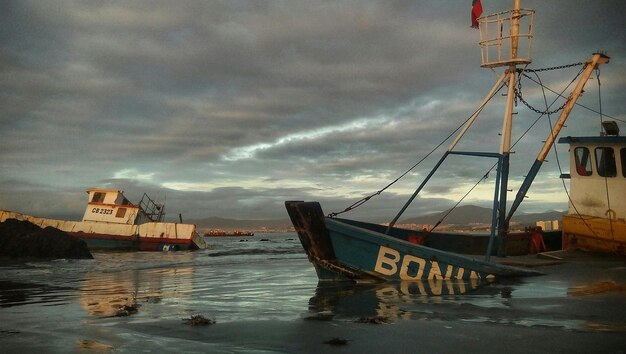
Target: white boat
{"points": [[111, 221]]}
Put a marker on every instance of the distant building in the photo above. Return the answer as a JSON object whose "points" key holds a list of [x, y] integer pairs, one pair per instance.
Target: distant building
{"points": [[548, 225]]}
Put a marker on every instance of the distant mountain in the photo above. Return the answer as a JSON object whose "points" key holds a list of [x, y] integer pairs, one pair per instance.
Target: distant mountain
{"points": [[469, 214], [531, 218], [463, 215], [215, 222]]}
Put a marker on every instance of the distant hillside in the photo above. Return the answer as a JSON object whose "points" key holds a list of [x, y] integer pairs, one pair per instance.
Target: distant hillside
{"points": [[469, 214], [531, 218], [235, 224], [464, 215]]}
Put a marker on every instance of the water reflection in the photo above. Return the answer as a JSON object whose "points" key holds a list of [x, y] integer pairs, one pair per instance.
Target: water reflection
{"points": [[387, 300], [16, 293], [106, 294]]}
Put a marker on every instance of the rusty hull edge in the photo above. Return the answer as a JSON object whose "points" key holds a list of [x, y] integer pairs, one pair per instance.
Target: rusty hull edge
{"points": [[308, 220]]}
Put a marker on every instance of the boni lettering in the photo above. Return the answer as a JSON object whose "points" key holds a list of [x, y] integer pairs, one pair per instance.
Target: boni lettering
{"points": [[415, 268]]}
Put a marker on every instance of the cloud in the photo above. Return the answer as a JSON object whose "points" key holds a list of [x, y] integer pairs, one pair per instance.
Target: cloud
{"points": [[230, 108]]}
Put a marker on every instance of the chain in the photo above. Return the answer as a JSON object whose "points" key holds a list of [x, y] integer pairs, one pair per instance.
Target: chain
{"points": [[518, 92], [551, 68]]}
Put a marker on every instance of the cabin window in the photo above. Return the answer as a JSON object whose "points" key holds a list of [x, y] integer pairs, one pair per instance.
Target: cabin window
{"points": [[623, 158], [98, 197], [583, 162], [605, 162], [121, 212]]}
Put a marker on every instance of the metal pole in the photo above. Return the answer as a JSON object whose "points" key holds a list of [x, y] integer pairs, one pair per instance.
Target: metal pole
{"points": [[596, 60], [505, 145], [406, 205], [494, 212], [467, 125]]}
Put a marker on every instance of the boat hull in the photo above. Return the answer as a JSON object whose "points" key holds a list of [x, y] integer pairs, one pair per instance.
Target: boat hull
{"points": [[340, 250], [594, 234], [152, 236]]}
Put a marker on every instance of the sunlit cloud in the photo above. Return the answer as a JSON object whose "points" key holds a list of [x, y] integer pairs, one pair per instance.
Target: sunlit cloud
{"points": [[248, 152], [133, 175]]}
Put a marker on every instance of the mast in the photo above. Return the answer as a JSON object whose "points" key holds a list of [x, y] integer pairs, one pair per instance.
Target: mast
{"points": [[592, 64], [505, 144], [498, 49]]}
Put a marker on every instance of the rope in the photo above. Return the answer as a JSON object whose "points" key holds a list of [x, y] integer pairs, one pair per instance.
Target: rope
{"points": [[460, 200], [519, 95], [542, 113], [577, 103], [365, 199], [556, 153], [606, 180]]}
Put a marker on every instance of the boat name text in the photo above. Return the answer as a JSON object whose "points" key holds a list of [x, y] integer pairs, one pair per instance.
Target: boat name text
{"points": [[388, 260]]}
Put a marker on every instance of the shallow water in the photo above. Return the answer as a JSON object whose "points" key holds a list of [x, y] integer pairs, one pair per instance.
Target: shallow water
{"points": [[264, 286]]}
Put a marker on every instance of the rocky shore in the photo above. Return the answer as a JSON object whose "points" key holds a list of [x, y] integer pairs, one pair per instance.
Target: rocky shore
{"points": [[23, 240]]}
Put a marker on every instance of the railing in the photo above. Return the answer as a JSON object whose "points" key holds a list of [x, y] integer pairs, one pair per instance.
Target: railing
{"points": [[153, 210], [500, 41]]}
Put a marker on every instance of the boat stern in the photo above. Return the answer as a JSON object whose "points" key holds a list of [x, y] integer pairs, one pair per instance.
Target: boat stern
{"points": [[308, 221]]}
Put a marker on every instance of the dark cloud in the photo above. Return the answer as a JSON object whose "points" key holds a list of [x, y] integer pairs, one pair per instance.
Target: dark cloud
{"points": [[228, 108]]}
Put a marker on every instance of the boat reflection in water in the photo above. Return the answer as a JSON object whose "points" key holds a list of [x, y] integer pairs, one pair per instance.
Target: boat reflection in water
{"points": [[389, 300], [121, 293]]}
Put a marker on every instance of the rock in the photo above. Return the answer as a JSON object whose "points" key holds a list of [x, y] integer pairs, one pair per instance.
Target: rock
{"points": [[25, 240], [127, 310], [374, 320], [198, 320], [336, 341]]}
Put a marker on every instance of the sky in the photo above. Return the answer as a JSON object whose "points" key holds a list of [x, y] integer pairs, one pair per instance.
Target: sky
{"points": [[229, 108]]}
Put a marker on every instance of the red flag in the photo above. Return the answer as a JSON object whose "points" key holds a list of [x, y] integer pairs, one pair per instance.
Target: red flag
{"points": [[477, 10]]}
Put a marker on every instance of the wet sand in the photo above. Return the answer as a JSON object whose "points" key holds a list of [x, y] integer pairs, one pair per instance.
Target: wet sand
{"points": [[264, 298]]}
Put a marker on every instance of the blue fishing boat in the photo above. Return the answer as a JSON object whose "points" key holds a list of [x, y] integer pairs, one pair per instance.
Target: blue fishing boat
{"points": [[343, 249]]}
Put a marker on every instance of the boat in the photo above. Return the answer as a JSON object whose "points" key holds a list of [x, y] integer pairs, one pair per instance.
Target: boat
{"points": [[222, 233], [111, 221], [343, 249], [595, 220]]}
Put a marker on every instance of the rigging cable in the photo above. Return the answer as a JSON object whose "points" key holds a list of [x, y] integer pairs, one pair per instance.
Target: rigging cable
{"points": [[577, 103], [365, 199], [556, 154], [606, 179], [547, 111], [558, 160], [485, 176]]}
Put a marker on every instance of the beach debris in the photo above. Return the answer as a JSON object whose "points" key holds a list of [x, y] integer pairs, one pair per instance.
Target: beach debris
{"points": [[127, 310], [94, 345], [336, 341], [597, 288], [198, 320], [550, 255], [320, 316], [5, 332], [374, 320]]}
